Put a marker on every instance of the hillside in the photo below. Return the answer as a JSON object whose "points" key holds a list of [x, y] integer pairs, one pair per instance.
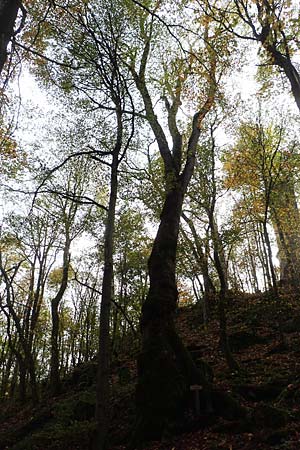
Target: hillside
{"points": [[268, 387]]}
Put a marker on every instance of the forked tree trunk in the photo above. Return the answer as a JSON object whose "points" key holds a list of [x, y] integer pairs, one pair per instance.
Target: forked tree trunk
{"points": [[165, 368]]}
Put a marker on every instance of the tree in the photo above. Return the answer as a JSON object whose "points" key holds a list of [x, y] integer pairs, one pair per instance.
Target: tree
{"points": [[8, 17], [273, 24], [26, 259], [205, 194], [165, 369], [263, 162]]}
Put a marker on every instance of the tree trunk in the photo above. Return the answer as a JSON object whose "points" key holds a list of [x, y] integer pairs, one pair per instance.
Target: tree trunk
{"points": [[22, 380], [270, 258], [265, 258], [103, 387], [202, 260], [219, 263], [165, 369], [8, 15], [54, 363], [286, 222], [289, 69]]}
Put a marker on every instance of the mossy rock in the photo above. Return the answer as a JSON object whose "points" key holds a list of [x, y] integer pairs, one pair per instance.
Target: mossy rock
{"points": [[80, 406], [226, 406], [243, 339], [260, 392], [57, 437], [267, 416], [290, 393], [276, 437], [280, 348], [292, 325], [84, 410], [124, 375], [83, 375]]}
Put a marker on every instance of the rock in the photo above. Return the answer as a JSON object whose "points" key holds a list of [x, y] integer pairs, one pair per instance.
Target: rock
{"points": [[244, 339], [270, 417], [124, 375], [276, 437], [226, 406], [282, 347], [84, 410], [83, 375], [292, 325], [260, 392]]}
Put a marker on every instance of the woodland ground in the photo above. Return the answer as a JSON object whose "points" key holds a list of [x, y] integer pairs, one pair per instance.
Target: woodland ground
{"points": [[268, 386]]}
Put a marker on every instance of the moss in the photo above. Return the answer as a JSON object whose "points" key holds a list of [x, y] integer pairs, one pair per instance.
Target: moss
{"points": [[225, 405], [244, 339], [77, 407], [270, 417], [58, 437]]}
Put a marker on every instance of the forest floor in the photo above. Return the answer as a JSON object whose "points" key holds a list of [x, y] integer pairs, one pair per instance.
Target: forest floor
{"points": [[268, 386]]}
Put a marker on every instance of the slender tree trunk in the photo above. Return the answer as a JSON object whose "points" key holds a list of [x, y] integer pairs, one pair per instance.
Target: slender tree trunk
{"points": [[253, 274], [22, 380], [265, 257], [224, 344], [54, 363], [201, 258], [270, 259], [103, 387], [6, 366]]}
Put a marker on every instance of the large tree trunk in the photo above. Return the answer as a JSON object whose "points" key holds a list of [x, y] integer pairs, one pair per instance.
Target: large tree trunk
{"points": [[288, 67], [165, 369], [8, 15]]}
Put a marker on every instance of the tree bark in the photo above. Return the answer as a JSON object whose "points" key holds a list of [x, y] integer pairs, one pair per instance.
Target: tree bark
{"points": [[201, 258], [219, 264], [8, 15], [285, 218], [165, 369], [103, 374], [54, 363]]}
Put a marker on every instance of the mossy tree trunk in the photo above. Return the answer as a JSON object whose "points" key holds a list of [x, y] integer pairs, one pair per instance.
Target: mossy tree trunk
{"points": [[162, 382]]}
